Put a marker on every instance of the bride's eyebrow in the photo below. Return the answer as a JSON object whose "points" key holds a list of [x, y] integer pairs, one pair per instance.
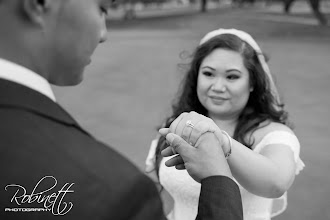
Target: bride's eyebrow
{"points": [[207, 67], [234, 70]]}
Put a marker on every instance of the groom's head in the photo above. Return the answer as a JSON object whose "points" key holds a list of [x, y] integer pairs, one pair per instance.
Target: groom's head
{"points": [[54, 38]]}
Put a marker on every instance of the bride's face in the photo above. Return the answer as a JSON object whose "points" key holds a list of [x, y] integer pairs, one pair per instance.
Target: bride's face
{"points": [[223, 84]]}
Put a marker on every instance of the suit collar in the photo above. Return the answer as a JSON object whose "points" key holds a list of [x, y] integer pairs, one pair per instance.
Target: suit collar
{"points": [[13, 95]]}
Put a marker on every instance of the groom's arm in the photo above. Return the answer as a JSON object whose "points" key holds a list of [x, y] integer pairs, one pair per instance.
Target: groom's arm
{"points": [[219, 199]]}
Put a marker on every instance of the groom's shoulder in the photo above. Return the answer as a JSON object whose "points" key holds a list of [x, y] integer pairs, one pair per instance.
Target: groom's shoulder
{"points": [[23, 129], [101, 175]]}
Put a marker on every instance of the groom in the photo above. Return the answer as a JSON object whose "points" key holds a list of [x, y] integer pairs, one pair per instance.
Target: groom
{"points": [[50, 166]]}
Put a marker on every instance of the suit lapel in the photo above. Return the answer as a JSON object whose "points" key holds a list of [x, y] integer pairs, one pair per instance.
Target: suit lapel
{"points": [[13, 95]]}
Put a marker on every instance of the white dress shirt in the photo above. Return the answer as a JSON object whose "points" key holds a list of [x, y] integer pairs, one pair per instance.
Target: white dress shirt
{"points": [[23, 76]]}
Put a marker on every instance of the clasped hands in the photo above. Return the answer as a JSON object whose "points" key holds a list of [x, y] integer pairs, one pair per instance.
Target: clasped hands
{"points": [[199, 143]]}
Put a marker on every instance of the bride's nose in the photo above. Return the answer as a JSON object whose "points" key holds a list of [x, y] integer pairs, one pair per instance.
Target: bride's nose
{"points": [[219, 85]]}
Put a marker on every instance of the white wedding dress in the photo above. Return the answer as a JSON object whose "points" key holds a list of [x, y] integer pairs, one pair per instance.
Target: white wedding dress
{"points": [[185, 191]]}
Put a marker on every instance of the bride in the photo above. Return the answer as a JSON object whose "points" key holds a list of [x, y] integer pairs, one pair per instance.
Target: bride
{"points": [[229, 81]]}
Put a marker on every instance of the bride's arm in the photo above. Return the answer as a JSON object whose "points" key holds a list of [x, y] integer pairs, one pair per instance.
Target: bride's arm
{"points": [[269, 173], [166, 198], [150, 171]]}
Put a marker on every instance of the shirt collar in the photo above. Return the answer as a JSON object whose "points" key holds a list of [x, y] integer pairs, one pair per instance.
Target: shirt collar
{"points": [[21, 75]]}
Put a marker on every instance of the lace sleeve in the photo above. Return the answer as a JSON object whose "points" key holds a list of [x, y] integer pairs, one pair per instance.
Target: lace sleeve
{"points": [[285, 138], [151, 158]]}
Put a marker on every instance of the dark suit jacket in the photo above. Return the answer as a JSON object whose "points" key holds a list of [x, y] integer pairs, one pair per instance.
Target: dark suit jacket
{"points": [[220, 199], [41, 142]]}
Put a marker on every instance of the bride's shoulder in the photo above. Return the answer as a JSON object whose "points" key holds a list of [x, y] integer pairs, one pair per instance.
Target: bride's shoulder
{"points": [[268, 127]]}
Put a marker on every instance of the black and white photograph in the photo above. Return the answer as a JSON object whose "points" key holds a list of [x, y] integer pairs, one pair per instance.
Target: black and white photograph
{"points": [[164, 109]]}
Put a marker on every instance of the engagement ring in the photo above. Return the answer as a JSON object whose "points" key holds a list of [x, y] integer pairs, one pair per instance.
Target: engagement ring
{"points": [[190, 124]]}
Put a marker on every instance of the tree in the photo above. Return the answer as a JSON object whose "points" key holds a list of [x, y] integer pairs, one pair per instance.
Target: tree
{"points": [[315, 5], [203, 5]]}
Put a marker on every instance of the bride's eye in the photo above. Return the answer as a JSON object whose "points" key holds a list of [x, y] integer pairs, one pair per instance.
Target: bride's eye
{"points": [[232, 77], [207, 73]]}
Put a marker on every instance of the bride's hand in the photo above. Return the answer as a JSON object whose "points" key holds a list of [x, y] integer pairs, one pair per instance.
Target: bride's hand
{"points": [[190, 126], [205, 160]]}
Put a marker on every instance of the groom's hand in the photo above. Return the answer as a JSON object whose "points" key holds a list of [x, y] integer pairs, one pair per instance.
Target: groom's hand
{"points": [[204, 160]]}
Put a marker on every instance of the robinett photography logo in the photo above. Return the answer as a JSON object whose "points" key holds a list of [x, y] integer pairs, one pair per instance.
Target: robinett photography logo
{"points": [[44, 196]]}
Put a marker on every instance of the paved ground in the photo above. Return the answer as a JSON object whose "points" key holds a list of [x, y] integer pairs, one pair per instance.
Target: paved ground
{"points": [[128, 89]]}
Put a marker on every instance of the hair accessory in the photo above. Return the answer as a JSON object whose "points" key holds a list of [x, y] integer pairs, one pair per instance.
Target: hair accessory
{"points": [[249, 40]]}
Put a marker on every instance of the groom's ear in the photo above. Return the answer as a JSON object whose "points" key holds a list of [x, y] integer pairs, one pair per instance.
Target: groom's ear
{"points": [[36, 10]]}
